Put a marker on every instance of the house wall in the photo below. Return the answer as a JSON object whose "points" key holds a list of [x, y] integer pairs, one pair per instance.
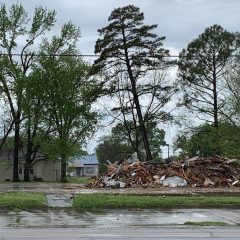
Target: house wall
{"points": [[21, 175], [50, 170], [45, 170], [5, 170], [86, 171], [79, 172]]}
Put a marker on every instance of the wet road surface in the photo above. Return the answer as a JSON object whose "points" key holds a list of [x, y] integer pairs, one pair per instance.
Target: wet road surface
{"points": [[116, 218], [140, 234], [67, 224]]}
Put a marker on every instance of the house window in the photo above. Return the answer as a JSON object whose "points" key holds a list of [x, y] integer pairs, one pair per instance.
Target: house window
{"points": [[20, 171], [31, 171], [89, 170]]}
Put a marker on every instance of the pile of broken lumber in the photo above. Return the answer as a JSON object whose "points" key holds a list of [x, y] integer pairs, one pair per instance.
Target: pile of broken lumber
{"points": [[196, 172]]}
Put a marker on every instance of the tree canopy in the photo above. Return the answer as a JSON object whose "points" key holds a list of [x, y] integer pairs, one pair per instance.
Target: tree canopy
{"points": [[129, 51], [202, 67], [200, 141]]}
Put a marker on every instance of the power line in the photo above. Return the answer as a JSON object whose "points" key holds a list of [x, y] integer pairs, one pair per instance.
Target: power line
{"points": [[50, 55], [85, 55], [68, 55]]}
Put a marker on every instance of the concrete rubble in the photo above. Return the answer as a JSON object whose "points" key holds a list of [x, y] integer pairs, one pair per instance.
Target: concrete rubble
{"points": [[194, 172]]}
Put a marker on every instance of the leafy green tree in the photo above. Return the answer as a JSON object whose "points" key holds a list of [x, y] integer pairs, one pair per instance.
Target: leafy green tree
{"points": [[117, 146], [6, 126], [156, 138], [69, 93], [201, 71], [36, 126], [201, 141], [15, 25], [129, 50], [112, 150]]}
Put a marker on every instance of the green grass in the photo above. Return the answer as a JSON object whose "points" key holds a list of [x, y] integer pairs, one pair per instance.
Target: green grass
{"points": [[80, 180], [103, 201], [206, 223], [22, 200]]}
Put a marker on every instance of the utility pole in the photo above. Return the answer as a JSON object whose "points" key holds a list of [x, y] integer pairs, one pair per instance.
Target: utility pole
{"points": [[168, 149]]}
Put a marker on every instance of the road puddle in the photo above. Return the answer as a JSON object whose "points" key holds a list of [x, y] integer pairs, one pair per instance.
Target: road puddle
{"points": [[106, 219]]}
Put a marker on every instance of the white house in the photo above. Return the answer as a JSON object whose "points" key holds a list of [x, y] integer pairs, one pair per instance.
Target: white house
{"points": [[42, 170]]}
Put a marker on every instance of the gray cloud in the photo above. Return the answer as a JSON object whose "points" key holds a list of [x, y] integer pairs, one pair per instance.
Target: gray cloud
{"points": [[179, 20]]}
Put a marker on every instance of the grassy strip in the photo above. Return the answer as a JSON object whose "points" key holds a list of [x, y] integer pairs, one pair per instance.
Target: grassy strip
{"points": [[22, 200], [101, 201], [80, 180], [207, 223]]}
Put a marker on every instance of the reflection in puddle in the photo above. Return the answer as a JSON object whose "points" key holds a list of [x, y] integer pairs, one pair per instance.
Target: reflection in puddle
{"points": [[102, 219]]}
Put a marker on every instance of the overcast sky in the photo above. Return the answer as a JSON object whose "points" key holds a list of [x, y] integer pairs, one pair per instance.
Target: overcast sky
{"points": [[180, 21]]}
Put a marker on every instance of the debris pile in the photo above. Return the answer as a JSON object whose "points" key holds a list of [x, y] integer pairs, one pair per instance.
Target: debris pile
{"points": [[196, 172]]}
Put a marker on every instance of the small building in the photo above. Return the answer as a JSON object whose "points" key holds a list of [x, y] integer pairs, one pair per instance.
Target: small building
{"points": [[84, 166], [43, 169]]}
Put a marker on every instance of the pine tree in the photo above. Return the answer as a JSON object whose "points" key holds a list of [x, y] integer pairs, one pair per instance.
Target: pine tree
{"points": [[130, 48]]}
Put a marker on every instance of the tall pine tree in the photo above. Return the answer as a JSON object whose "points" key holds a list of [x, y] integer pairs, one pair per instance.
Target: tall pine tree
{"points": [[130, 48]]}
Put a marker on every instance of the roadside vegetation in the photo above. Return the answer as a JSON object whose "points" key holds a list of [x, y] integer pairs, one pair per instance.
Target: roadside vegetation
{"points": [[22, 201], [97, 201], [206, 223], [80, 180], [27, 201]]}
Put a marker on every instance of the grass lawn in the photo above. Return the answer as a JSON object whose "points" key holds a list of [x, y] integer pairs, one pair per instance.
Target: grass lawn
{"points": [[22, 200], [80, 180], [102, 201]]}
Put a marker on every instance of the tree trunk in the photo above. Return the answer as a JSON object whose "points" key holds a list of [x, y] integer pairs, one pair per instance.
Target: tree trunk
{"points": [[26, 173], [63, 169], [6, 133], [136, 101], [215, 99], [16, 148], [142, 127], [28, 156], [215, 109]]}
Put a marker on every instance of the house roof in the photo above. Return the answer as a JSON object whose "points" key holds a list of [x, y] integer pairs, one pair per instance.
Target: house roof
{"points": [[88, 160], [8, 154]]}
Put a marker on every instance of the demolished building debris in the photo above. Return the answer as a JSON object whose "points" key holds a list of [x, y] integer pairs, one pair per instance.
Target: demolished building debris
{"points": [[195, 172]]}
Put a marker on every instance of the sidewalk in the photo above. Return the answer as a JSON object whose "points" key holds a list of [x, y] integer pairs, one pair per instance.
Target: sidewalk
{"points": [[58, 188]]}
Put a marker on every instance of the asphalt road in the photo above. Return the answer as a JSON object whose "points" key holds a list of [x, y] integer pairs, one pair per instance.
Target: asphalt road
{"points": [[140, 234]]}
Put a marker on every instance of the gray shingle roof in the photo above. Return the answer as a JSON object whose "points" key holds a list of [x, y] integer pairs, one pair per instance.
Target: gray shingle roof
{"points": [[88, 159]]}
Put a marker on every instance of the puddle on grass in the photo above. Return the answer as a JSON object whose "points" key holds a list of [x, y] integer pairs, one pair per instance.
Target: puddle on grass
{"points": [[103, 219]]}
